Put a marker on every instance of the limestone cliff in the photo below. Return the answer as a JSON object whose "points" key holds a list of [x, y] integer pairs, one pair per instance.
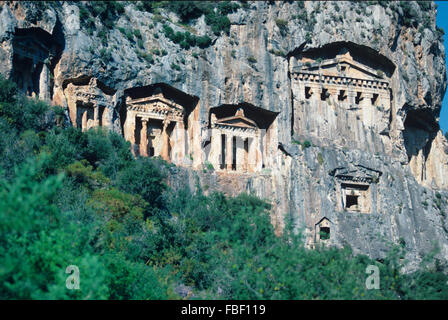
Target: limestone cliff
{"points": [[336, 105]]}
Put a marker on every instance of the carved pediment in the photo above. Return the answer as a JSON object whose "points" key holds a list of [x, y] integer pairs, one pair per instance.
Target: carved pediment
{"points": [[89, 93], [341, 66], [156, 106], [157, 102], [238, 120], [324, 222], [356, 173]]}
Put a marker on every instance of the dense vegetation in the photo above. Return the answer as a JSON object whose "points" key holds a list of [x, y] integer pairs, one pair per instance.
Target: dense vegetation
{"points": [[74, 198], [108, 13]]}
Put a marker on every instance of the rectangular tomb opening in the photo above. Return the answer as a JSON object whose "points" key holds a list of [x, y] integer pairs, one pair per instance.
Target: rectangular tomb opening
{"points": [[356, 197]]}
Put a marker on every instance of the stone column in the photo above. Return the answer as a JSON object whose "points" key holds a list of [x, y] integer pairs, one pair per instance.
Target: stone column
{"points": [[246, 142], [165, 141], [229, 151], [179, 144], [255, 154], [316, 90], [44, 83], [299, 89], [384, 100], [258, 153], [144, 138], [251, 155], [84, 120], [129, 127], [339, 197], [333, 92], [367, 110], [351, 96], [215, 148], [240, 154], [384, 112], [96, 120]]}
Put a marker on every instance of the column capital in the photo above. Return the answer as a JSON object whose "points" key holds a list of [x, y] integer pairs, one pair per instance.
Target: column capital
{"points": [[352, 93], [367, 95], [333, 91]]}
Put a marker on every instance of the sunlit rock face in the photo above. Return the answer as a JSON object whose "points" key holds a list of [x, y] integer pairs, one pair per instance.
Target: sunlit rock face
{"points": [[329, 110]]}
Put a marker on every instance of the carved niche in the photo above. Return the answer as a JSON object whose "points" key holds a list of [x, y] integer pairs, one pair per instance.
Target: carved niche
{"points": [[34, 52], [322, 230], [356, 189]]}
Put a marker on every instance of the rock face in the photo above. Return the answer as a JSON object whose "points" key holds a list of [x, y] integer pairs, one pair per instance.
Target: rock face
{"points": [[327, 109]]}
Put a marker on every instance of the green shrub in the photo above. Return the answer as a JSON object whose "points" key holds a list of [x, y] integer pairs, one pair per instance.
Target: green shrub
{"points": [[227, 7], [186, 39], [129, 35], [175, 66], [137, 33], [203, 41], [140, 44], [320, 158], [156, 52], [147, 57], [308, 37], [209, 166], [306, 144], [218, 23], [83, 13], [103, 37], [143, 178], [282, 25], [251, 59], [105, 55]]}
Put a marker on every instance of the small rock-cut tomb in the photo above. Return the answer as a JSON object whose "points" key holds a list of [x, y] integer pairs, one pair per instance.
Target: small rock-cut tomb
{"points": [[322, 230], [356, 188], [33, 49], [90, 103], [241, 137], [156, 121]]}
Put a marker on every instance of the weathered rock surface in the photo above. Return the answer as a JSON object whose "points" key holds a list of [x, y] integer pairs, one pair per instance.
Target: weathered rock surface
{"points": [[255, 64]]}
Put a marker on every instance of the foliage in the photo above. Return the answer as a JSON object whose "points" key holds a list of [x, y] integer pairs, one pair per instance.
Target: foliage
{"points": [[186, 39], [105, 55], [282, 25], [306, 144], [215, 14], [251, 59], [107, 12], [143, 178], [218, 23]]}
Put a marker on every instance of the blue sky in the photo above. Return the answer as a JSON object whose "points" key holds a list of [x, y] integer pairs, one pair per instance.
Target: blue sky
{"points": [[442, 21]]}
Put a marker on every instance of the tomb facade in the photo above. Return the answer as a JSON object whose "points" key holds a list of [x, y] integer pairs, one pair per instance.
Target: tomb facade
{"points": [[356, 189], [156, 122], [34, 54], [241, 138], [322, 230], [340, 98], [90, 103]]}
